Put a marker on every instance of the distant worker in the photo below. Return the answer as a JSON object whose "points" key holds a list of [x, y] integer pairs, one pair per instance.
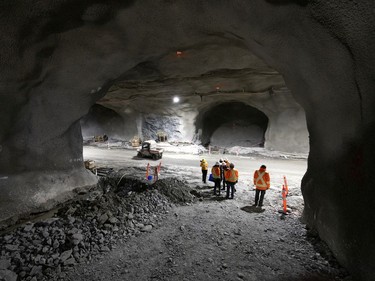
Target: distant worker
{"points": [[231, 178], [227, 165], [156, 173], [262, 183], [204, 166], [224, 167], [216, 174]]}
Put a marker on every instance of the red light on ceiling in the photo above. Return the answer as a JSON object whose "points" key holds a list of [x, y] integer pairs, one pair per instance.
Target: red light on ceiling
{"points": [[178, 53]]}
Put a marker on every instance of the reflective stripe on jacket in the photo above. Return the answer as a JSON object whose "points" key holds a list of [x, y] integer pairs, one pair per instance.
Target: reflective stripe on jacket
{"points": [[231, 175], [261, 179], [215, 171]]}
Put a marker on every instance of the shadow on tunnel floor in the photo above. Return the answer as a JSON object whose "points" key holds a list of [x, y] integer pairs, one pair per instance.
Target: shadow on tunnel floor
{"points": [[217, 198], [205, 187], [144, 158], [208, 193], [308, 277], [252, 209]]}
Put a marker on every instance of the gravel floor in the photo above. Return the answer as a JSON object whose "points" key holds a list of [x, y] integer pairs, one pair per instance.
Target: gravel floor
{"points": [[127, 229]]}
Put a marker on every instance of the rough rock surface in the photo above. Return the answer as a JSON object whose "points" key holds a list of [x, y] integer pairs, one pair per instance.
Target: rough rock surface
{"points": [[129, 229], [59, 58], [86, 227]]}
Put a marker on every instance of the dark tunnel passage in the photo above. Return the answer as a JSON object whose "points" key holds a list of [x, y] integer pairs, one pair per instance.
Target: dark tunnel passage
{"points": [[101, 120], [232, 123]]}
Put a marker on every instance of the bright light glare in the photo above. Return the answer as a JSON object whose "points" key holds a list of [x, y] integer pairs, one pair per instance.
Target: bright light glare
{"points": [[176, 99]]}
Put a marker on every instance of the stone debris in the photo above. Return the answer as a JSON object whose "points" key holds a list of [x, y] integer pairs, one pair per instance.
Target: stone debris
{"points": [[82, 230], [4, 264], [147, 228], [85, 231], [8, 275], [240, 275]]}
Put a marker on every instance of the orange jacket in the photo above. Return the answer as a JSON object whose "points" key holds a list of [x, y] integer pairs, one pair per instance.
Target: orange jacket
{"points": [[215, 171], [231, 175], [261, 179]]}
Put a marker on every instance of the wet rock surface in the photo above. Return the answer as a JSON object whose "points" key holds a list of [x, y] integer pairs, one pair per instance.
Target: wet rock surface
{"points": [[131, 229]]}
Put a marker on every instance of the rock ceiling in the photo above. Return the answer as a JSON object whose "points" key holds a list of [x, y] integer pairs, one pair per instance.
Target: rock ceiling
{"points": [[199, 71]]}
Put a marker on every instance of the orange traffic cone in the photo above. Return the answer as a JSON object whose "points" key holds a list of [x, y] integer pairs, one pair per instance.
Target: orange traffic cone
{"points": [[284, 193]]}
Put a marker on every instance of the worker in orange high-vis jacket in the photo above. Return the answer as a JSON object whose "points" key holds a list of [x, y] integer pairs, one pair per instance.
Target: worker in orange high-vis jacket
{"points": [[262, 183], [216, 174], [231, 178]]}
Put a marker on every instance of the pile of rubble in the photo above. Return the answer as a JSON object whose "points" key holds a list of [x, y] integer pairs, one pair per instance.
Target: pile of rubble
{"points": [[83, 229]]}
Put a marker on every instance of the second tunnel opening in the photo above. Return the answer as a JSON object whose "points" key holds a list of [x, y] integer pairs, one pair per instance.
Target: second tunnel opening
{"points": [[232, 124]]}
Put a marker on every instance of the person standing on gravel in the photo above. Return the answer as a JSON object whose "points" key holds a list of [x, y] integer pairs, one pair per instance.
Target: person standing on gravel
{"points": [[224, 168], [216, 174], [231, 178], [204, 166], [262, 183]]}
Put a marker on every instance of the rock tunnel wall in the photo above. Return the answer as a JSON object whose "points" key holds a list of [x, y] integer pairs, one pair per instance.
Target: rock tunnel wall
{"points": [[55, 66], [284, 120]]}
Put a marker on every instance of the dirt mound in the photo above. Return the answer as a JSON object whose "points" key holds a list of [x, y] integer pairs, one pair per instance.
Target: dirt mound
{"points": [[176, 190], [124, 183], [84, 229]]}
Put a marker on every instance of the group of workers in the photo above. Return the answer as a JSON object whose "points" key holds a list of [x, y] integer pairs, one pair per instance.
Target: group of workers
{"points": [[225, 177]]}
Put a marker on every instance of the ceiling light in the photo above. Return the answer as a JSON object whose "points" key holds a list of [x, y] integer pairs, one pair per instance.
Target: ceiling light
{"points": [[176, 99]]}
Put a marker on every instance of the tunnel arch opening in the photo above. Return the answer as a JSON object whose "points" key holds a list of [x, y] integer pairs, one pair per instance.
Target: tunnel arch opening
{"points": [[101, 120], [328, 67], [232, 123]]}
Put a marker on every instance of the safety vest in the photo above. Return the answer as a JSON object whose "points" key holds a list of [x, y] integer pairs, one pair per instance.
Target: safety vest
{"points": [[215, 171], [261, 179], [231, 175]]}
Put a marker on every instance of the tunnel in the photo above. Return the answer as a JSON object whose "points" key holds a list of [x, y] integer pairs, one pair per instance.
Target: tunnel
{"points": [[101, 120], [60, 58], [231, 124]]}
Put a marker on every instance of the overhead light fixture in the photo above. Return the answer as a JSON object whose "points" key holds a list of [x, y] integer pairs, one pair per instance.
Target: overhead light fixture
{"points": [[178, 53], [176, 99]]}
